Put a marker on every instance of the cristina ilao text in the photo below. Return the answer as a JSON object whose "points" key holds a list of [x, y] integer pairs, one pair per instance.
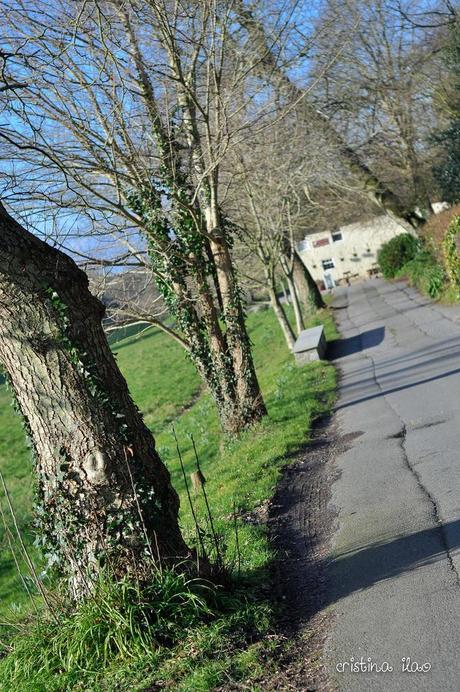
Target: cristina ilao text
{"points": [[368, 665]]}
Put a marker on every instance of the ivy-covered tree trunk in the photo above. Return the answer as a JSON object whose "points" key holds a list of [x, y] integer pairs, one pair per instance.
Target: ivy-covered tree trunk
{"points": [[250, 404], [307, 290], [103, 495], [202, 293]]}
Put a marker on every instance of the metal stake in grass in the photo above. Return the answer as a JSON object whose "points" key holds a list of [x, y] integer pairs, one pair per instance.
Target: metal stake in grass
{"points": [[237, 539], [197, 528], [28, 560], [208, 509]]}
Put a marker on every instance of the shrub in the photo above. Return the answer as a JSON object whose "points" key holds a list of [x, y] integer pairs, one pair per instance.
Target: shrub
{"points": [[396, 253], [424, 272], [450, 246]]}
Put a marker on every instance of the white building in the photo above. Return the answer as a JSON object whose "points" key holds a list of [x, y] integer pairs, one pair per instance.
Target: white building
{"points": [[348, 253]]}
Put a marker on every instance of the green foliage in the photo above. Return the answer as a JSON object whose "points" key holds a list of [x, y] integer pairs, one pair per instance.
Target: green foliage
{"points": [[395, 253], [425, 273], [447, 171], [450, 246], [227, 643]]}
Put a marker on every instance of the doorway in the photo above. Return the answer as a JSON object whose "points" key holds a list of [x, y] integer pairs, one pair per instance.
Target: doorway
{"points": [[329, 281]]}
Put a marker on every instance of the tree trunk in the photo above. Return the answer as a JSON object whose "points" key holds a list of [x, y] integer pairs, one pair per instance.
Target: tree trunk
{"points": [[280, 314], [223, 359], [285, 293], [295, 304], [104, 496], [307, 290], [251, 406], [420, 189]]}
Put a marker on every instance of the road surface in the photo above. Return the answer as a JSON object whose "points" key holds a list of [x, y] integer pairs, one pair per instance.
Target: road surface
{"points": [[394, 587]]}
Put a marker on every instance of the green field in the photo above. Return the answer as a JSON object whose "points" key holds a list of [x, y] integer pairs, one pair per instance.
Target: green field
{"points": [[241, 474]]}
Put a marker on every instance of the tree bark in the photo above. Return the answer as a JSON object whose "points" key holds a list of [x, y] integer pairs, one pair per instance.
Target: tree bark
{"points": [[280, 314], [251, 406], [104, 496], [307, 290], [295, 304], [228, 367]]}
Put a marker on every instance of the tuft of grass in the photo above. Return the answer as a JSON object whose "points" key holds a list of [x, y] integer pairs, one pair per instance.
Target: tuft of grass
{"points": [[185, 631], [122, 624], [223, 638]]}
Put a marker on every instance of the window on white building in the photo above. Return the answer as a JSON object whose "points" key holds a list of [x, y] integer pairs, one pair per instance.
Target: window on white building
{"points": [[303, 245], [336, 236], [328, 264]]}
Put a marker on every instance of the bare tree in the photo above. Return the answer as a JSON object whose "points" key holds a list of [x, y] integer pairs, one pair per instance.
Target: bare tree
{"points": [[380, 90], [271, 177], [263, 236], [265, 45], [134, 105], [131, 298]]}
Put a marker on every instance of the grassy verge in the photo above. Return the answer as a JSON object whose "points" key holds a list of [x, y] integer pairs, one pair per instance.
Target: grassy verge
{"points": [[425, 273], [223, 644]]}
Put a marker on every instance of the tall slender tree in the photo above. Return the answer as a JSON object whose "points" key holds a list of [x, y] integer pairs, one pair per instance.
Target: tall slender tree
{"points": [[380, 89]]}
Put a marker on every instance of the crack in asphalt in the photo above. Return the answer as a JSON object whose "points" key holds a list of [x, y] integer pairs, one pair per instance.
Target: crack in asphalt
{"points": [[431, 498], [401, 435]]}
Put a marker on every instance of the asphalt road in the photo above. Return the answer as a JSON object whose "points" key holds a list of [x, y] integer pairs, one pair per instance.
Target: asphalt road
{"points": [[394, 587]]}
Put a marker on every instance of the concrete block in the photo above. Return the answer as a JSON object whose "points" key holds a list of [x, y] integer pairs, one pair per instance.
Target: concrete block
{"points": [[310, 345]]}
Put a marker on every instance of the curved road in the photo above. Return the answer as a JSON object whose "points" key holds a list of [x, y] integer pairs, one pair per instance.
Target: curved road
{"points": [[395, 562]]}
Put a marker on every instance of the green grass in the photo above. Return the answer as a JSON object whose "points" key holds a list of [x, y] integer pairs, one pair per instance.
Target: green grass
{"points": [[240, 473], [429, 277], [161, 379], [16, 467], [425, 273]]}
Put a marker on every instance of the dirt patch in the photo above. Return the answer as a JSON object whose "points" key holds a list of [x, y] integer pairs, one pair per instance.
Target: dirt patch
{"points": [[301, 522]]}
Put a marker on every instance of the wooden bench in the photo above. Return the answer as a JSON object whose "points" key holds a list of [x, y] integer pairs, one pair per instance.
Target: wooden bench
{"points": [[310, 345]]}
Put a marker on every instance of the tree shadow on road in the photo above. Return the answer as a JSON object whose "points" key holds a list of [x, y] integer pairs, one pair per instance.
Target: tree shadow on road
{"points": [[309, 586], [404, 371], [364, 566], [308, 576], [340, 348]]}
